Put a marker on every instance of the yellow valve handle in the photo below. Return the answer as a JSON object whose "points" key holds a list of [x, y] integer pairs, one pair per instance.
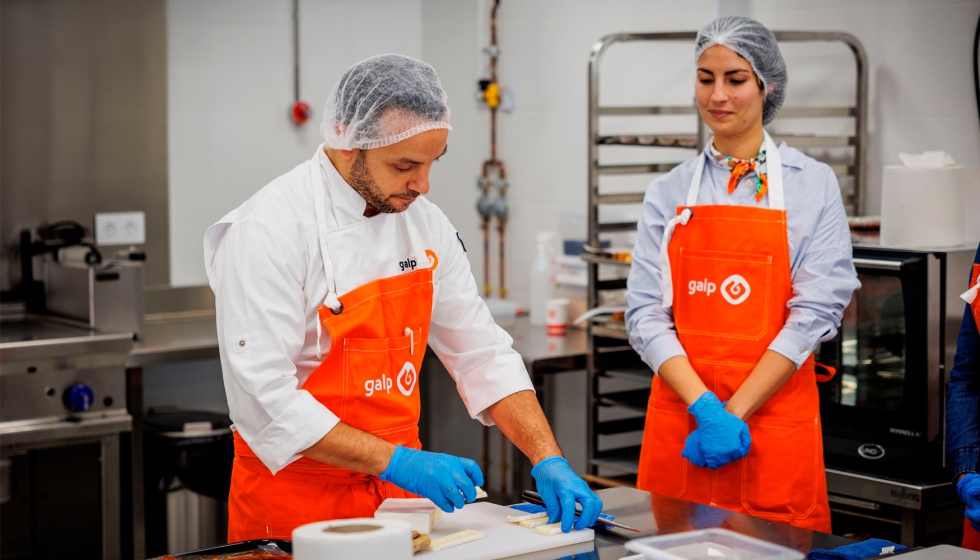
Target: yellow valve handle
{"points": [[492, 95]]}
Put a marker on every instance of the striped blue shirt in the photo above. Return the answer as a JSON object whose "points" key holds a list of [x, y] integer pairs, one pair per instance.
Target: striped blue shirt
{"points": [[819, 246]]}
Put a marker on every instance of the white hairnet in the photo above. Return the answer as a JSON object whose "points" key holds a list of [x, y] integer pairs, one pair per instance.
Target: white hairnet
{"points": [[383, 100], [756, 44]]}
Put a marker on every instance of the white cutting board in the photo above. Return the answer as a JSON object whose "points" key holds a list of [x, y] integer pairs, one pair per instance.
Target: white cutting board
{"points": [[501, 539]]}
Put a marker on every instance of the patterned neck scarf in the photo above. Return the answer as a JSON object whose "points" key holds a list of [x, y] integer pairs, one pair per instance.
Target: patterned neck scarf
{"points": [[742, 167]]}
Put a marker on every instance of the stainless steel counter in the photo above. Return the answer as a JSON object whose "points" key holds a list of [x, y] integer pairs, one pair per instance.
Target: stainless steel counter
{"points": [[186, 336], [170, 338], [659, 515]]}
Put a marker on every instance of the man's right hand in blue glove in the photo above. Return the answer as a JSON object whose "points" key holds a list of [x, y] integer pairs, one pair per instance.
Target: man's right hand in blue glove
{"points": [[721, 436], [968, 489], [444, 479]]}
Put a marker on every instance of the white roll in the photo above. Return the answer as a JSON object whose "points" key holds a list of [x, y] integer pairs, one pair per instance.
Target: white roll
{"points": [[357, 539], [922, 207]]}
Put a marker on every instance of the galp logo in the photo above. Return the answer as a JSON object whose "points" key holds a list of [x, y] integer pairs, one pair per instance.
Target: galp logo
{"points": [[407, 378], [735, 289]]}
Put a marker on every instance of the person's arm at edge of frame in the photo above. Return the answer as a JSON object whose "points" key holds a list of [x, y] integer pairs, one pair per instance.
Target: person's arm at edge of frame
{"points": [[963, 406]]}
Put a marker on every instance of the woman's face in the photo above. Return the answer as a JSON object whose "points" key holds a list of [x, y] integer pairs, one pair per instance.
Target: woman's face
{"points": [[729, 94]]}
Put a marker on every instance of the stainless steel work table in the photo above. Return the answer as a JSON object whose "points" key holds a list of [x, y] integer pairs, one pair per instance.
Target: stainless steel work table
{"points": [[660, 515]]}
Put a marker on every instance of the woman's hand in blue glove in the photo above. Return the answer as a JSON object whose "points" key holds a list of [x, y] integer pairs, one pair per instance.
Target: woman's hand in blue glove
{"points": [[444, 479], [721, 436], [561, 488], [968, 489]]}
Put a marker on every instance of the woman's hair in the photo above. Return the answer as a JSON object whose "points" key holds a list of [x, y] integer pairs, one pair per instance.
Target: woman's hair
{"points": [[755, 43]]}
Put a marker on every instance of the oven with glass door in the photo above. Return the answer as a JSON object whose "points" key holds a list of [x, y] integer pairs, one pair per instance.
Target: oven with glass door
{"points": [[884, 411]]}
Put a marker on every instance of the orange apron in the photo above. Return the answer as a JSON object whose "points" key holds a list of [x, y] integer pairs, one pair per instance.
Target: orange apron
{"points": [[972, 296], [729, 286], [369, 379]]}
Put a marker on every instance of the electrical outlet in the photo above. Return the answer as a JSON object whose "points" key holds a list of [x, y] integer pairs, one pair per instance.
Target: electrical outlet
{"points": [[120, 228]]}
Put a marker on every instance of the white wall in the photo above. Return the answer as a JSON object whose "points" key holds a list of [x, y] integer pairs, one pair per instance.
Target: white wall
{"points": [[921, 93], [230, 86]]}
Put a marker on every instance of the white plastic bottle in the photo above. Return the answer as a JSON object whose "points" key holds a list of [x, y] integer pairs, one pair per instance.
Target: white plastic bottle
{"points": [[542, 278]]}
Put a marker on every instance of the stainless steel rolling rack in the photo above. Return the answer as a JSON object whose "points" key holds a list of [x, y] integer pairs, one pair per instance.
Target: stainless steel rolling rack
{"points": [[619, 380]]}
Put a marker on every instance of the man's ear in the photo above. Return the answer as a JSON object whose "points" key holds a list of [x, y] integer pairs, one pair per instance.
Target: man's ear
{"points": [[349, 154]]}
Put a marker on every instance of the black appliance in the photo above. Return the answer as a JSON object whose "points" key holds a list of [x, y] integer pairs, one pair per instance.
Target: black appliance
{"points": [[183, 449], [884, 411]]}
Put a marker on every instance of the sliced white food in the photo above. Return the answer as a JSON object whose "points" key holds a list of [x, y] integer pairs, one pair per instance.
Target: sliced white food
{"points": [[526, 516], [455, 539], [480, 493], [532, 523], [420, 513], [550, 529]]}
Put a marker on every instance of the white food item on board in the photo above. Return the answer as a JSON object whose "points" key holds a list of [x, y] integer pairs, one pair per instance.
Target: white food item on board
{"points": [[420, 513], [532, 523], [550, 529], [525, 517], [455, 539]]}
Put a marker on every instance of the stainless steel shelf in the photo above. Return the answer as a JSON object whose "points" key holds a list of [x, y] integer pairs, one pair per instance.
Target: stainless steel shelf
{"points": [[625, 460], [634, 169], [625, 198], [633, 111], [690, 141], [638, 375], [595, 259], [785, 112]]}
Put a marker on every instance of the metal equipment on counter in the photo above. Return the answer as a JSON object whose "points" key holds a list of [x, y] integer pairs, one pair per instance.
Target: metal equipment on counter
{"points": [[62, 414], [883, 413]]}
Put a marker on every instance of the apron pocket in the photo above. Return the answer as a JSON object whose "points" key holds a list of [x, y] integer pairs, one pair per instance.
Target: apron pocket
{"points": [[779, 475], [664, 470], [380, 377], [722, 293]]}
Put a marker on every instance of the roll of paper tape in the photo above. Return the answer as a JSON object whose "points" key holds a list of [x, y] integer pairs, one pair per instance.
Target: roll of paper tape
{"points": [[353, 538]]}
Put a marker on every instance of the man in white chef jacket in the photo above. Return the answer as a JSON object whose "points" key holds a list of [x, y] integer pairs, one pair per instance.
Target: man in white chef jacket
{"points": [[328, 282]]}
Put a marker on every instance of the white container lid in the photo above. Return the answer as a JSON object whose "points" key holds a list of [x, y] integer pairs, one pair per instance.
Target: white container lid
{"points": [[713, 544]]}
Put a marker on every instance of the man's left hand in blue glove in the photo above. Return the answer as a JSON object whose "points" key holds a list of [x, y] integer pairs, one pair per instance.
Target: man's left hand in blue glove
{"points": [[561, 488]]}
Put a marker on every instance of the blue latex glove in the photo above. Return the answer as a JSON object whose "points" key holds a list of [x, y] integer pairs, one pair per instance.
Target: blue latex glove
{"points": [[968, 489], [446, 480], [870, 548], [721, 437], [561, 488]]}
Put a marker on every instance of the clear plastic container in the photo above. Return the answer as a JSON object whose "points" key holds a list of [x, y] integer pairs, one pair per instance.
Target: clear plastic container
{"points": [[710, 544]]}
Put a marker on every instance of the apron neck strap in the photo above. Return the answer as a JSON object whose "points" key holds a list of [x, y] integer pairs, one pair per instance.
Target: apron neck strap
{"points": [[774, 174], [319, 208]]}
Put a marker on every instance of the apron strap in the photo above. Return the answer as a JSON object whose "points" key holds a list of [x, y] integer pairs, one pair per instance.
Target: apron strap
{"points": [[774, 174], [319, 208]]}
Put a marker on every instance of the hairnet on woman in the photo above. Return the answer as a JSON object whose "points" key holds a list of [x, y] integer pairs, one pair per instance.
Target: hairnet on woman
{"points": [[728, 297]]}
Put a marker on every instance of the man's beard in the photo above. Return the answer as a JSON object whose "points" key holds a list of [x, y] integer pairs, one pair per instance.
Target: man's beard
{"points": [[362, 182]]}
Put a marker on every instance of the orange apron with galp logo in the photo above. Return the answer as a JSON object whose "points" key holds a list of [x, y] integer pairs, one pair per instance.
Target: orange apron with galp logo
{"points": [[727, 276], [369, 379]]}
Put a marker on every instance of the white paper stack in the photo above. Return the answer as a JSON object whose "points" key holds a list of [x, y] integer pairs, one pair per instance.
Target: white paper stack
{"points": [[420, 513], [922, 202]]}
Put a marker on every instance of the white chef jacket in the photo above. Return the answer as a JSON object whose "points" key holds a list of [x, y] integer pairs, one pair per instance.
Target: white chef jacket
{"points": [[264, 265]]}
